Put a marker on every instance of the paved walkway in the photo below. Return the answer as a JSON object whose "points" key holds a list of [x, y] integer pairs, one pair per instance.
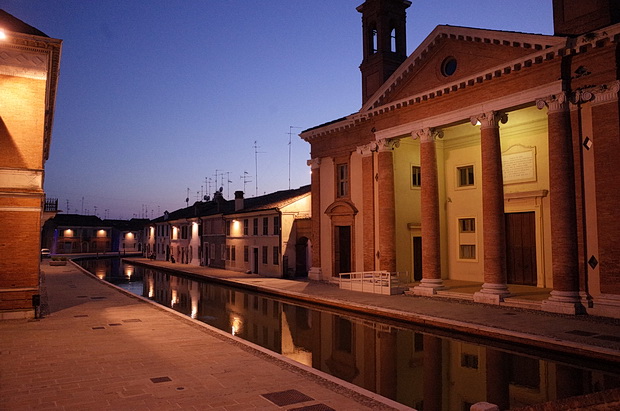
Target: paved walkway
{"points": [[102, 349], [598, 338]]}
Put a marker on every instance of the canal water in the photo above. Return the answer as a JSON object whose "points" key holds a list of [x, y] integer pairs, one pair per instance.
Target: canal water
{"points": [[414, 366]]}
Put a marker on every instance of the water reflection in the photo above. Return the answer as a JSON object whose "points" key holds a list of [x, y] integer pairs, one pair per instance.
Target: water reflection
{"points": [[415, 368]]}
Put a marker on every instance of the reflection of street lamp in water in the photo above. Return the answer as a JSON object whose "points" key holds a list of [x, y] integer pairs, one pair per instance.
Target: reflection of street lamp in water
{"points": [[128, 272], [236, 325]]}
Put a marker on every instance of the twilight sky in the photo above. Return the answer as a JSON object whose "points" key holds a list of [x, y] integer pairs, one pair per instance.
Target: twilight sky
{"points": [[157, 96]]}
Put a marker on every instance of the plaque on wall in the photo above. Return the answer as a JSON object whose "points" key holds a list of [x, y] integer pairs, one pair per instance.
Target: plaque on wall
{"points": [[519, 164]]}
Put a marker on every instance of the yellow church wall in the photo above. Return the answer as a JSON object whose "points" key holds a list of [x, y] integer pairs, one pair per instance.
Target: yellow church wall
{"points": [[407, 203]]}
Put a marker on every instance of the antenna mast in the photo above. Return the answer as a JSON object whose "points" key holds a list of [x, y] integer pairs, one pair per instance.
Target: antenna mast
{"points": [[256, 152], [290, 133]]}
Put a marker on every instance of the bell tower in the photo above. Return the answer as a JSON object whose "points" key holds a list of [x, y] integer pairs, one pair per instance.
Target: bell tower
{"points": [[384, 42], [576, 17]]}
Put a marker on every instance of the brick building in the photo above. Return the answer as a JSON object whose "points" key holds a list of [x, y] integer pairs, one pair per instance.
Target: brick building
{"points": [[484, 156], [29, 64]]}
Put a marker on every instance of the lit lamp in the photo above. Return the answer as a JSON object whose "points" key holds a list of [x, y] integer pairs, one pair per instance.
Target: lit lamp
{"points": [[2, 34]]}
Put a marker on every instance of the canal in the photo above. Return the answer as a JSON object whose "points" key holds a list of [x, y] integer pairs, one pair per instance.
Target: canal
{"points": [[414, 366]]}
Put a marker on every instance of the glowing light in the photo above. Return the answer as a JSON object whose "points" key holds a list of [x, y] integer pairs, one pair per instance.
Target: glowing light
{"points": [[236, 325], [101, 233], [2, 34], [175, 298], [68, 232], [128, 271]]}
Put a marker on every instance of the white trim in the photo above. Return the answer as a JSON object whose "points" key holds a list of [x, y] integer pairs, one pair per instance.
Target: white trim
{"points": [[24, 179], [21, 209]]}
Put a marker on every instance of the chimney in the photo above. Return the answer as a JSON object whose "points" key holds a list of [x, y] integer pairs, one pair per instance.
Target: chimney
{"points": [[238, 200]]}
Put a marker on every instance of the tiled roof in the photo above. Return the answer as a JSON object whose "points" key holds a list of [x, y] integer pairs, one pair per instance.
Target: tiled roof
{"points": [[275, 200], [77, 220], [12, 23], [198, 209]]}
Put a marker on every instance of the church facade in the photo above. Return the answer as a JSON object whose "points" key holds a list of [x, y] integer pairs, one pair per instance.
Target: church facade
{"points": [[484, 156]]}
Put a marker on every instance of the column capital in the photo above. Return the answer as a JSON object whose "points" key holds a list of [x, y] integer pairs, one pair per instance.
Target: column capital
{"points": [[606, 93], [387, 145], [427, 134], [367, 149], [314, 163], [489, 119], [554, 102]]}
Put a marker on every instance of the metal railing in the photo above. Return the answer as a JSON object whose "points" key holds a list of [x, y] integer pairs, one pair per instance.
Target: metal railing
{"points": [[376, 282]]}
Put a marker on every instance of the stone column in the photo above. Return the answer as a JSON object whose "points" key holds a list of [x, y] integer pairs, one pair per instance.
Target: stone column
{"points": [[315, 181], [387, 214], [494, 289], [564, 258], [431, 249], [368, 204]]}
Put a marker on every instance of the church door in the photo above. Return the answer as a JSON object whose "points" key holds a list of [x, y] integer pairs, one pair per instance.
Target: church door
{"points": [[521, 248]]}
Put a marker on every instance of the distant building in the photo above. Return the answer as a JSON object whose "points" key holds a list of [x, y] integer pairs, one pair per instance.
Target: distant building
{"points": [[29, 64], [88, 234], [484, 156]]}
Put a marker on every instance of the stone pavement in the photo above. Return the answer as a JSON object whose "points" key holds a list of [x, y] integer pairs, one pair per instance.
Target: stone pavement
{"points": [[103, 349], [594, 337]]}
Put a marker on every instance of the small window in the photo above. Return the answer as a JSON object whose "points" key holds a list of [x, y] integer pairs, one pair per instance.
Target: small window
{"points": [[246, 226], [416, 177], [246, 253], [265, 226], [342, 171], [276, 225], [467, 251], [393, 41], [373, 40], [467, 225], [228, 252], [255, 226], [227, 227], [448, 66], [276, 255], [465, 176], [265, 257], [469, 361]]}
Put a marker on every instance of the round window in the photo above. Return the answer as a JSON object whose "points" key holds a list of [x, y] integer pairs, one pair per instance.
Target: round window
{"points": [[448, 67]]}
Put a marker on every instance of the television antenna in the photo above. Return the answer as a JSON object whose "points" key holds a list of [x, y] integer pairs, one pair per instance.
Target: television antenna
{"points": [[256, 152], [246, 179], [290, 134]]}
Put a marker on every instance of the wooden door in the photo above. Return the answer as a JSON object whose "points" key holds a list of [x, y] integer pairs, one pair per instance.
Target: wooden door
{"points": [[521, 248], [342, 257], [417, 258]]}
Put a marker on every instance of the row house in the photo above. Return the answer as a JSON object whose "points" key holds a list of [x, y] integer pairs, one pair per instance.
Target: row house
{"points": [[29, 70], [79, 234], [267, 235], [263, 234], [484, 156]]}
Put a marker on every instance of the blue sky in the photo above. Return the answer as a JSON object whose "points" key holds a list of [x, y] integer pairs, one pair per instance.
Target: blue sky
{"points": [[156, 96]]}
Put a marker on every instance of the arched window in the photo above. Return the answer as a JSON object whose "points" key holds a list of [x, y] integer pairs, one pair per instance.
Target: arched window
{"points": [[373, 40], [393, 40]]}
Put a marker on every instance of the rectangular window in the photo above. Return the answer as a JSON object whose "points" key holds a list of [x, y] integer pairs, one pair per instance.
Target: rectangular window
{"points": [[265, 226], [416, 177], [467, 225], [227, 227], [246, 253], [246, 226], [465, 176], [212, 253], [467, 251], [342, 180], [276, 225], [227, 252], [469, 361], [265, 258], [233, 253], [222, 251], [255, 226], [276, 255]]}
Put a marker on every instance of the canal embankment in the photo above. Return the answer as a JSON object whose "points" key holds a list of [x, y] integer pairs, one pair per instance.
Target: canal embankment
{"points": [[580, 336]]}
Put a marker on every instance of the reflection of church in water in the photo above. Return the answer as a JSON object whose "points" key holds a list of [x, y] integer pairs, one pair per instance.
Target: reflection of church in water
{"points": [[405, 365]]}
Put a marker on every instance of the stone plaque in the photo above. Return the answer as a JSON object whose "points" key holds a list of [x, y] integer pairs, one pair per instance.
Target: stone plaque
{"points": [[519, 165]]}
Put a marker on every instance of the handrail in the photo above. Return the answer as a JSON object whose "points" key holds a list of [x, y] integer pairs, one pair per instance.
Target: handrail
{"points": [[377, 282]]}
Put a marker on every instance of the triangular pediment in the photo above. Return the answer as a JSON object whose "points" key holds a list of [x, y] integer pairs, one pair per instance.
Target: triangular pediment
{"points": [[451, 53]]}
